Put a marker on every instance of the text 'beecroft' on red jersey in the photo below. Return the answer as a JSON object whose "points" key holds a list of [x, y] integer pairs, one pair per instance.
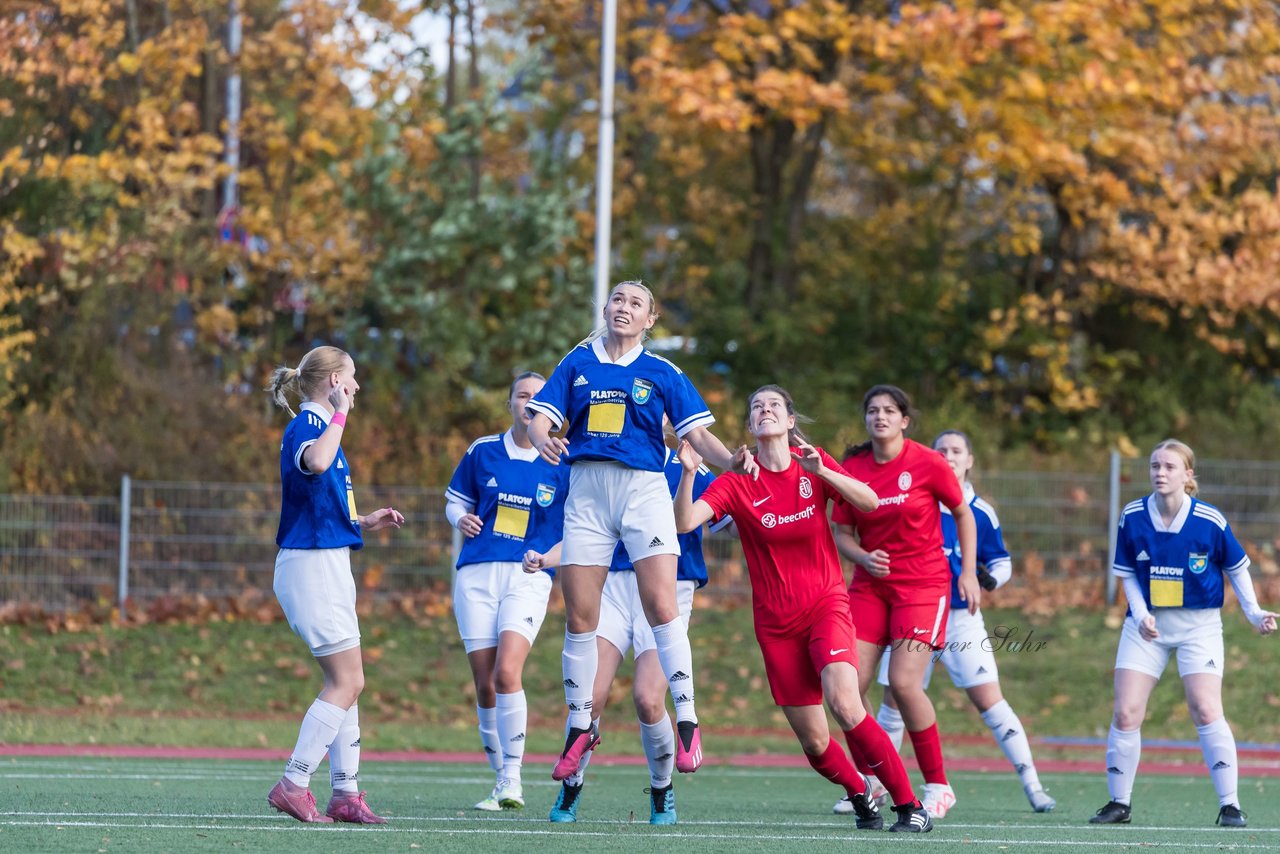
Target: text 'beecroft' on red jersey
{"points": [[786, 539], [907, 524]]}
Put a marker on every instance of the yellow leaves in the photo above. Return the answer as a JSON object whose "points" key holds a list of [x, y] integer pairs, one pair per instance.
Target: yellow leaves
{"points": [[129, 63]]}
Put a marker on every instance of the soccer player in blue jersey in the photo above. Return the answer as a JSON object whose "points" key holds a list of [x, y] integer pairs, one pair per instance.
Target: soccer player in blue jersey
{"points": [[1171, 554], [968, 654], [319, 528], [623, 627], [508, 502], [610, 395]]}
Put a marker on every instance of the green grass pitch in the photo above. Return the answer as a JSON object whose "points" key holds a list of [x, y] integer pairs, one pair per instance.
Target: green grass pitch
{"points": [[102, 805]]}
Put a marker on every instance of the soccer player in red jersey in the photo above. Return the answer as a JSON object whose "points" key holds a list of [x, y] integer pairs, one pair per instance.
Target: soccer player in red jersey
{"points": [[902, 582], [800, 607]]}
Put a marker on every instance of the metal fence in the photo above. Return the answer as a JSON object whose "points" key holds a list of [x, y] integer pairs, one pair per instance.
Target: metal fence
{"points": [[217, 539]]}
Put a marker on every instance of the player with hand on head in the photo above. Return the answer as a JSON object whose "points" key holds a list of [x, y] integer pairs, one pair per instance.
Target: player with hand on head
{"points": [[508, 502], [1172, 552], [800, 608], [968, 655], [319, 528], [902, 581], [610, 395]]}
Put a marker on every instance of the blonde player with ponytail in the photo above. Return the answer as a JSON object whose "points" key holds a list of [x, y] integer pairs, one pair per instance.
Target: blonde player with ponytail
{"points": [[319, 528]]}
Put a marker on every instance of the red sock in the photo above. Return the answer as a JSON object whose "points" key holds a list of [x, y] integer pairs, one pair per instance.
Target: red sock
{"points": [[836, 767], [868, 738], [928, 747], [859, 757]]}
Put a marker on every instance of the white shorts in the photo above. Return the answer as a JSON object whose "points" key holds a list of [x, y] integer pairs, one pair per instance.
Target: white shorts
{"points": [[608, 503], [495, 597], [968, 653], [317, 593], [1194, 634], [622, 619]]}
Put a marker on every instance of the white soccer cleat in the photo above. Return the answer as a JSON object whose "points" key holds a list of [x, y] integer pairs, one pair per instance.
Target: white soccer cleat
{"points": [[844, 806], [510, 795], [938, 799], [1039, 798], [491, 803]]}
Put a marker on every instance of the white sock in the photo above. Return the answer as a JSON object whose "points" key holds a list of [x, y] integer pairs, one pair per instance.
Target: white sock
{"points": [[513, 718], [659, 742], [580, 775], [1219, 748], [1124, 749], [890, 720], [1012, 738], [676, 658], [579, 662], [319, 726], [344, 754], [489, 738]]}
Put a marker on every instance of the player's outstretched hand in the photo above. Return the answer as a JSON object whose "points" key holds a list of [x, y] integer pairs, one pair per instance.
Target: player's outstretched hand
{"points": [[387, 517], [1267, 624], [809, 458], [551, 449], [744, 462], [689, 458]]}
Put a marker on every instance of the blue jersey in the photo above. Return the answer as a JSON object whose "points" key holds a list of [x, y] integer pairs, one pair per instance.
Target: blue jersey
{"points": [[518, 496], [317, 511], [692, 565], [614, 409], [1181, 566], [991, 550]]}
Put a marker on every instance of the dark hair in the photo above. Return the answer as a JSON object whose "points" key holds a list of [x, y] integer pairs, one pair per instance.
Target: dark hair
{"points": [[523, 376], [900, 398], [795, 435]]}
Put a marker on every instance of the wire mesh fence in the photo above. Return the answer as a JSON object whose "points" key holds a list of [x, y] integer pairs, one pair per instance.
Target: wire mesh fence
{"points": [[218, 539]]}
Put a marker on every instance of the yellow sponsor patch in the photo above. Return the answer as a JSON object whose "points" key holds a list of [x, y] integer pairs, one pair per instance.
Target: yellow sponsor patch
{"points": [[512, 521], [1166, 593], [606, 418], [351, 506]]}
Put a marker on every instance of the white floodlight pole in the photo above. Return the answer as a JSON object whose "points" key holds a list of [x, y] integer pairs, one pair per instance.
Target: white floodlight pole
{"points": [[604, 161], [231, 188]]}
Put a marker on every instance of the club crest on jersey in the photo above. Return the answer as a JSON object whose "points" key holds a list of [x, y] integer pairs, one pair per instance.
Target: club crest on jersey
{"points": [[641, 391], [1197, 563], [904, 480], [545, 495], [806, 488]]}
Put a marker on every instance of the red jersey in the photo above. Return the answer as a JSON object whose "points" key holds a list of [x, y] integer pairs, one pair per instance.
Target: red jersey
{"points": [[907, 525], [791, 555]]}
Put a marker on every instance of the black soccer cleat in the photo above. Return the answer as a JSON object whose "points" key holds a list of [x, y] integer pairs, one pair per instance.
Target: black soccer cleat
{"points": [[868, 814], [912, 818], [1113, 813], [1230, 816]]}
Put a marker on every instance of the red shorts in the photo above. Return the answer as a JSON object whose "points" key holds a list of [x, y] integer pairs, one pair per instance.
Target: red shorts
{"points": [[883, 613], [794, 664]]}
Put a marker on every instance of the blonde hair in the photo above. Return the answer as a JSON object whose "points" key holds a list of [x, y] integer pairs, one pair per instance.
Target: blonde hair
{"points": [[600, 330], [310, 375], [1188, 459]]}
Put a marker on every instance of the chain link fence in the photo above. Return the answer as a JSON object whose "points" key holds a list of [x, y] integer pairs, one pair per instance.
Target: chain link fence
{"points": [[218, 539]]}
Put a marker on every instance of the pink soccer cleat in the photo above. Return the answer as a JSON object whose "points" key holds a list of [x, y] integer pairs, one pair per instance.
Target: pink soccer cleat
{"points": [[576, 746], [297, 801], [351, 807], [688, 747]]}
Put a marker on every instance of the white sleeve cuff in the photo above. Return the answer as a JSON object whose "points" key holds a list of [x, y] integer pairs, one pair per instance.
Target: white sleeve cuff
{"points": [[1133, 592], [454, 511], [1242, 583]]}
